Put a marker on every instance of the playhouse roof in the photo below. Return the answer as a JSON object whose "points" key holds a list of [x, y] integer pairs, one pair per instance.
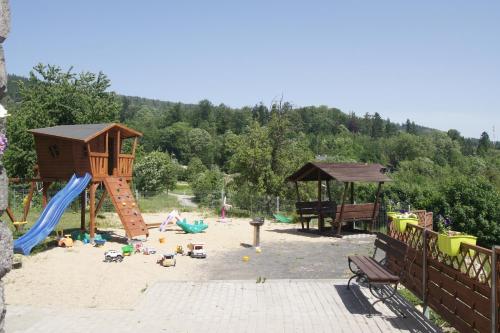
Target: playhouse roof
{"points": [[344, 172], [84, 133]]}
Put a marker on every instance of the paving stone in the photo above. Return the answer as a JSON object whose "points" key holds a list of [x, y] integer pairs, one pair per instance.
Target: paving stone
{"points": [[232, 306]]}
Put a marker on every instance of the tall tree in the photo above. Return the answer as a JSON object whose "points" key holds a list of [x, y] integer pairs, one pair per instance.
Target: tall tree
{"points": [[377, 126], [484, 144]]}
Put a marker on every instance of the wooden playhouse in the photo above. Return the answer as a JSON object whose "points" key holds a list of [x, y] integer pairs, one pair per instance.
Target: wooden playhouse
{"points": [[107, 152]]}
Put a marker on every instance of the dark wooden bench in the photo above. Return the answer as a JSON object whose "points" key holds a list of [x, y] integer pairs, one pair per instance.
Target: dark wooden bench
{"points": [[355, 212], [375, 274], [308, 210]]}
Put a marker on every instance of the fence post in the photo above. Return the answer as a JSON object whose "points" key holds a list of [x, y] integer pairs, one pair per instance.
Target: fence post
{"points": [[424, 274], [277, 204], [494, 272]]}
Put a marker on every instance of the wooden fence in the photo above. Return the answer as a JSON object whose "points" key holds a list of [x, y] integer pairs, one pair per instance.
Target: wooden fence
{"points": [[458, 288]]}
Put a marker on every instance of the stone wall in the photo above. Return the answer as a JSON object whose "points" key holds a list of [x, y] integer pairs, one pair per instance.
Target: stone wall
{"points": [[6, 246]]}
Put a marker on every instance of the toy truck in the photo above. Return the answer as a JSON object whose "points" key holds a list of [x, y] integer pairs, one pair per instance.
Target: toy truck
{"points": [[113, 256], [197, 250]]}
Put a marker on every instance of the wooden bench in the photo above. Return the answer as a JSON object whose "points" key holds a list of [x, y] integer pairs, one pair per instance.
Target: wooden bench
{"points": [[308, 210], [375, 275], [355, 212]]}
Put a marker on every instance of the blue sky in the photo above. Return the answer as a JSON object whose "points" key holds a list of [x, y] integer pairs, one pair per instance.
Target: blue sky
{"points": [[435, 62]]}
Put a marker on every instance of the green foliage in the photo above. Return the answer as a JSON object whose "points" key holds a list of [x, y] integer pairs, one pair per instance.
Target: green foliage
{"points": [[260, 146], [194, 169], [155, 172], [207, 186], [50, 97]]}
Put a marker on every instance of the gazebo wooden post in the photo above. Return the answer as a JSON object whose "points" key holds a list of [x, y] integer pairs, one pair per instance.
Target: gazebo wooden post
{"points": [[328, 190], [320, 215], [341, 215], [375, 206], [45, 198], [297, 190], [83, 205], [331, 202], [352, 193], [93, 188]]}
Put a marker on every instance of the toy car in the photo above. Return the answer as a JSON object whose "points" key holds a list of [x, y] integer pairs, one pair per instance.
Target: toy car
{"points": [[197, 250], [66, 241], [113, 255], [127, 250], [167, 260], [148, 250]]}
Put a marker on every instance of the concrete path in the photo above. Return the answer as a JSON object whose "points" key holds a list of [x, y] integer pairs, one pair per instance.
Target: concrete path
{"points": [[185, 200], [232, 306]]}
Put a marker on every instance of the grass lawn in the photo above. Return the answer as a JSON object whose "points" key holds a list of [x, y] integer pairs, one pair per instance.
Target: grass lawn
{"points": [[182, 188], [71, 218]]}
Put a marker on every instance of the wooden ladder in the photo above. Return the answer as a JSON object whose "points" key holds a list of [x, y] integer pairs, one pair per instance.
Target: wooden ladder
{"points": [[126, 207]]}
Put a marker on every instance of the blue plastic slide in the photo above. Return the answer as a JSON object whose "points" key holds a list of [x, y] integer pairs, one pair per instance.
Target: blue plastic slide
{"points": [[51, 214]]}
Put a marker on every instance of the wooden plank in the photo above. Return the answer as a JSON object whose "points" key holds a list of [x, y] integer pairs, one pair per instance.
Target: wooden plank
{"points": [[458, 276], [449, 316], [461, 291], [93, 187]]}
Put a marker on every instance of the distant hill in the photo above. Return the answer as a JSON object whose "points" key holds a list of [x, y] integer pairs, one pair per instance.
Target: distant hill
{"points": [[133, 103]]}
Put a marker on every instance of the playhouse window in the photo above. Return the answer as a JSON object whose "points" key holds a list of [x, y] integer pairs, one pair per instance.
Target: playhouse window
{"points": [[54, 151]]}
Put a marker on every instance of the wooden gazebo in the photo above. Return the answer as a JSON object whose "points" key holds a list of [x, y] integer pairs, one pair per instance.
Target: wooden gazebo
{"points": [[347, 173]]}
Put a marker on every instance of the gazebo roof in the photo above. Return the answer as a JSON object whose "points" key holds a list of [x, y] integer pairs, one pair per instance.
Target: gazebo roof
{"points": [[344, 172], [84, 132]]}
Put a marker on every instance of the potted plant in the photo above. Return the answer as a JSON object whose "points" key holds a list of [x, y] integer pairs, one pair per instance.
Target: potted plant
{"points": [[403, 219], [449, 240]]}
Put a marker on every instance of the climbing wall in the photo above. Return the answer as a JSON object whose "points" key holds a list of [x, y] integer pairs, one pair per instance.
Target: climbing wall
{"points": [[125, 206]]}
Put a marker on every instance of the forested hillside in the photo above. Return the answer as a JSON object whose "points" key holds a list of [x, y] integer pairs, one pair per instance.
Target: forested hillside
{"points": [[258, 146]]}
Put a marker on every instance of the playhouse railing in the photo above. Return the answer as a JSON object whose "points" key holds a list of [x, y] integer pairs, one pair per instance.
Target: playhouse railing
{"points": [[99, 164], [458, 288], [125, 165]]}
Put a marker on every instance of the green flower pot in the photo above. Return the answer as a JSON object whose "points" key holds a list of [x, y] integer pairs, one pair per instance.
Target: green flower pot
{"points": [[400, 223], [450, 244]]}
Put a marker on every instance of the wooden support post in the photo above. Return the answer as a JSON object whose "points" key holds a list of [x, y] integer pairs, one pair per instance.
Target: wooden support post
{"points": [[320, 215], [117, 151], [375, 206], [425, 308], [27, 206], [341, 215], [352, 193], [83, 204], [45, 198], [300, 210], [297, 190], [494, 288], [101, 201], [11, 215], [328, 190], [93, 188]]}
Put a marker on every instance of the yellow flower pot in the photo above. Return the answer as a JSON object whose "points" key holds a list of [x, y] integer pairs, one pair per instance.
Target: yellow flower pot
{"points": [[400, 223], [391, 216], [450, 244]]}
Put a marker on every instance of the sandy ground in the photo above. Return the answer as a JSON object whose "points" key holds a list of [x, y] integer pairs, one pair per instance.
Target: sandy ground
{"points": [[78, 277]]}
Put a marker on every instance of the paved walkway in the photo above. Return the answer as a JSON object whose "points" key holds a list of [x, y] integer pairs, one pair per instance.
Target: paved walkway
{"points": [[231, 306]]}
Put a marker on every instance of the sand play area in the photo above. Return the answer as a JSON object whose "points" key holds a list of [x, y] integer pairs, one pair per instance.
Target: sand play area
{"points": [[79, 277]]}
